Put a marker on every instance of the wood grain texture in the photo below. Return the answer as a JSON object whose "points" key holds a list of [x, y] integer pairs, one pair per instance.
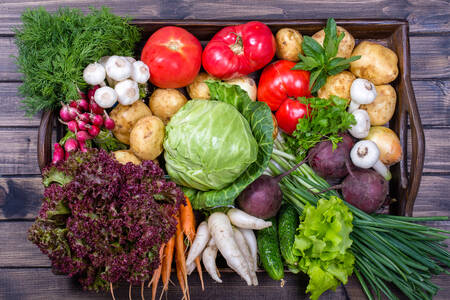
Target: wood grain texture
{"points": [[424, 16], [11, 115], [427, 62]]}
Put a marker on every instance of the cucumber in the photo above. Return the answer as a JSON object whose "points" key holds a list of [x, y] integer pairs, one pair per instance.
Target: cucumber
{"points": [[269, 250], [288, 221]]}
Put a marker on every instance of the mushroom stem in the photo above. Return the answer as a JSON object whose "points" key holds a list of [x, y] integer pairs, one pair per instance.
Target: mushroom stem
{"points": [[383, 170], [353, 106]]}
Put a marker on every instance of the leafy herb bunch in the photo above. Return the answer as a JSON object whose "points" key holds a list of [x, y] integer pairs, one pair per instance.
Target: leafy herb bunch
{"points": [[322, 60]]}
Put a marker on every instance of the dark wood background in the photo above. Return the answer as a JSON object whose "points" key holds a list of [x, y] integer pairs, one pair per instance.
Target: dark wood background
{"points": [[25, 273]]}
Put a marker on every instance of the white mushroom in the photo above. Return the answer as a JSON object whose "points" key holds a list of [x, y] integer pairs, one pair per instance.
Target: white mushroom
{"points": [[127, 91], [361, 129], [94, 74], [141, 72], [118, 68], [105, 97], [362, 91], [130, 59], [365, 154]]}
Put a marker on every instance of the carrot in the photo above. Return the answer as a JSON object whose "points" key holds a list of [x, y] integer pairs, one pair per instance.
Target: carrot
{"points": [[167, 263], [157, 273], [188, 220], [180, 260], [188, 226]]}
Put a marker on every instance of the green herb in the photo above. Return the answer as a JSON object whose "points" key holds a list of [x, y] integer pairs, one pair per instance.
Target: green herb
{"points": [[327, 119], [55, 48], [106, 140], [321, 60]]}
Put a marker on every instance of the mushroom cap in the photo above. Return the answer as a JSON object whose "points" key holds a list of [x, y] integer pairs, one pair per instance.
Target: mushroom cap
{"points": [[365, 154], [118, 68], [127, 91], [361, 128], [141, 72], [105, 97], [362, 91], [94, 74]]}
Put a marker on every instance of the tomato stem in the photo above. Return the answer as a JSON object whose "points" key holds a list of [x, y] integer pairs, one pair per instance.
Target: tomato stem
{"points": [[238, 46]]}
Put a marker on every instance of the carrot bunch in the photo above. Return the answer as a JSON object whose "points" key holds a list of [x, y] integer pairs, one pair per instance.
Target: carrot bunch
{"points": [[185, 227]]}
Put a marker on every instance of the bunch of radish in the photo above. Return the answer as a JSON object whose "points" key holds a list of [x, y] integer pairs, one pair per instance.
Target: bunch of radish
{"points": [[85, 118], [232, 235]]}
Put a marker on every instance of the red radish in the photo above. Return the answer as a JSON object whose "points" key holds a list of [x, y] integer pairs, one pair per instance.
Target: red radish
{"points": [[95, 108], [73, 104], [58, 153], [84, 117], [83, 136], [82, 95], [96, 120], [93, 131], [82, 125], [109, 124], [65, 113], [91, 92], [71, 125], [71, 144], [83, 147], [83, 105]]}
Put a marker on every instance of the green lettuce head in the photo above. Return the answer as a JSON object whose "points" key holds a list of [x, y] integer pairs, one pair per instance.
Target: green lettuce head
{"points": [[208, 145]]}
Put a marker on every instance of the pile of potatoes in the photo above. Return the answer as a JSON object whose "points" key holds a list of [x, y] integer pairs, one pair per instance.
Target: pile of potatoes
{"points": [[378, 65]]}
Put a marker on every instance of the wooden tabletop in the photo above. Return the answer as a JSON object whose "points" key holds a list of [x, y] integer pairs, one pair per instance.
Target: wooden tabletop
{"points": [[25, 272]]}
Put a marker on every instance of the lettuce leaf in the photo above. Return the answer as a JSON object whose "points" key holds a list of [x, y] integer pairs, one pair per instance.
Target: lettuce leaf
{"points": [[322, 244], [259, 117]]}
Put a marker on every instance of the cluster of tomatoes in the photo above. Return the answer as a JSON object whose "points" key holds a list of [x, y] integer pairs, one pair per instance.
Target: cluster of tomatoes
{"points": [[175, 57]]}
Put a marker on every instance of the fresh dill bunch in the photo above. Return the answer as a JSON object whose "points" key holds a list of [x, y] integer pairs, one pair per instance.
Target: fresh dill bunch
{"points": [[55, 48]]}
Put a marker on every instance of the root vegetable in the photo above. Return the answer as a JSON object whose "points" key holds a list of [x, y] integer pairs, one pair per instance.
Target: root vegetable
{"points": [[247, 84], [338, 85], [125, 117], [201, 240], [141, 72], [382, 108], [250, 238], [164, 103], [126, 156], [198, 89], [388, 143], [71, 145], [365, 189], [275, 127], [94, 74], [243, 220], [109, 123], [361, 128], [289, 44], [345, 46], [220, 228], [362, 91], [83, 136], [262, 198], [105, 97], [329, 163], [127, 92], [58, 153], [209, 260], [118, 68], [377, 63], [365, 154], [146, 138], [240, 240], [190, 268]]}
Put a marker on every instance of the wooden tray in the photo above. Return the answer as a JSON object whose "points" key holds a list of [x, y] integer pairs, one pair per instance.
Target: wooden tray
{"points": [[392, 33]]}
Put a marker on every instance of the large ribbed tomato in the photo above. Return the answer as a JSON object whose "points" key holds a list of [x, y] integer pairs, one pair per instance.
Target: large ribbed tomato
{"points": [[174, 57], [278, 82], [238, 50]]}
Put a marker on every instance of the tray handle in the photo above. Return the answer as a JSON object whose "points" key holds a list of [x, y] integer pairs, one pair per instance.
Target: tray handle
{"points": [[44, 147]]}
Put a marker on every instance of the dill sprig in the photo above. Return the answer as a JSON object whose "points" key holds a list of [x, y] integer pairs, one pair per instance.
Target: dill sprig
{"points": [[55, 48]]}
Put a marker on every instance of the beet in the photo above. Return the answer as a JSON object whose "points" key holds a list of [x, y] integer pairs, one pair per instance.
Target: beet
{"points": [[365, 189], [331, 164]]}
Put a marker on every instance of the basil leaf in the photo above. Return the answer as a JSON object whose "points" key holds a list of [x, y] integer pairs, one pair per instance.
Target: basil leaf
{"points": [[312, 48]]}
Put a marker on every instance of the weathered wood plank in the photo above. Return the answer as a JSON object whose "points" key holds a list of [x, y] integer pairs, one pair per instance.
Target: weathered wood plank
{"points": [[429, 57], [424, 16], [433, 99]]}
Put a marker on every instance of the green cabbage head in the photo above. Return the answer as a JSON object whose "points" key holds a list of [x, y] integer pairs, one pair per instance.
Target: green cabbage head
{"points": [[208, 145]]}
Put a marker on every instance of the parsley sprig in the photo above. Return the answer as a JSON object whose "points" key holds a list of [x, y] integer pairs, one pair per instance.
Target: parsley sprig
{"points": [[322, 60], [328, 118]]}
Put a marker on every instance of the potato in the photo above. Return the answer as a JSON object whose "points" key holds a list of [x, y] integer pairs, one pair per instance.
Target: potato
{"points": [[345, 46], [382, 108], [338, 85], [125, 116], [125, 156], [164, 103], [289, 44], [275, 127], [146, 138], [198, 89], [377, 63], [387, 142], [247, 84]]}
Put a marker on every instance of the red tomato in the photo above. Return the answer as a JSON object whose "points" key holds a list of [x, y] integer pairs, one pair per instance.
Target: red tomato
{"points": [[278, 82], [236, 51], [174, 57], [289, 113]]}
